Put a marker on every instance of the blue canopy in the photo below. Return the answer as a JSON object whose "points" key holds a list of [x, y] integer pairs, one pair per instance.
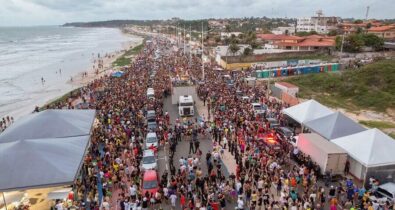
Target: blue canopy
{"points": [[118, 74]]}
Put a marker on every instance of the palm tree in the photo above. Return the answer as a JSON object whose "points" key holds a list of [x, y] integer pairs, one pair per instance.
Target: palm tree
{"points": [[234, 48]]}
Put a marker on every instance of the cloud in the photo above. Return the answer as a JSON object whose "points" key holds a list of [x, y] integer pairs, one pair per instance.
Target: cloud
{"points": [[50, 12]]}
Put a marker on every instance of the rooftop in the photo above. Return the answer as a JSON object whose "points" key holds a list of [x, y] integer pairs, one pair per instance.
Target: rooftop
{"points": [[382, 28], [278, 37]]}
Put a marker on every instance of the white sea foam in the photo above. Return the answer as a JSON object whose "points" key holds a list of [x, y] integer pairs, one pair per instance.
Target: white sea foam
{"points": [[27, 54]]}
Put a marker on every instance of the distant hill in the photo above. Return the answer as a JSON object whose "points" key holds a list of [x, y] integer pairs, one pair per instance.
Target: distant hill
{"points": [[113, 23]]}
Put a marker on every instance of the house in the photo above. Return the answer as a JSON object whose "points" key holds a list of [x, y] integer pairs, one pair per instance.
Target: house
{"points": [[320, 24], [351, 28], [387, 32], [229, 34], [288, 30], [296, 43]]}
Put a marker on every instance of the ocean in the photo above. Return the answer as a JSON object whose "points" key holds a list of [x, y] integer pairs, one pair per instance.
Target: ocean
{"points": [[28, 54]]}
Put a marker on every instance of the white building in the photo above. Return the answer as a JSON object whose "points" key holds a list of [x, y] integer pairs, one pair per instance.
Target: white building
{"points": [[319, 23], [288, 30], [229, 34]]}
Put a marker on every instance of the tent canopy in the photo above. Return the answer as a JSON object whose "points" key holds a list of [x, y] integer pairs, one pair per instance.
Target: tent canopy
{"points": [[50, 124], [320, 142], [41, 162], [370, 147], [334, 125], [306, 111]]}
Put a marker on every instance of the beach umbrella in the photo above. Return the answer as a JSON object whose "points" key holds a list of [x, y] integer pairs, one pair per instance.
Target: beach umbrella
{"points": [[117, 74]]}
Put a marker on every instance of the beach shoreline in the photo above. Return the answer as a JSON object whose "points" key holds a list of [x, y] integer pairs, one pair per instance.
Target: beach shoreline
{"points": [[79, 80]]}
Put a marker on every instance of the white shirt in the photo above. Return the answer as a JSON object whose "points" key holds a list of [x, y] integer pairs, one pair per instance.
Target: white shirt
{"points": [[106, 205], [132, 191], [240, 204], [59, 206]]}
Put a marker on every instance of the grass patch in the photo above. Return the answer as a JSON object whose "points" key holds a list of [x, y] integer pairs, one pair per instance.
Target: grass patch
{"points": [[125, 58], [377, 124], [371, 87]]}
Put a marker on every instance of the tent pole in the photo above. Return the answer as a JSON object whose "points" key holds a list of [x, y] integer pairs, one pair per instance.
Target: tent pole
{"points": [[5, 203]]}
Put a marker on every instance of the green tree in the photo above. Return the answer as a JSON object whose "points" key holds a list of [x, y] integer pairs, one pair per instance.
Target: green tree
{"points": [[332, 33], [359, 30], [358, 21], [353, 43], [234, 48], [372, 40], [248, 51], [227, 28], [369, 25], [217, 39]]}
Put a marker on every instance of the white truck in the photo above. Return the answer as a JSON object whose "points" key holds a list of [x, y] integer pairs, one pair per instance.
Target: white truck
{"points": [[185, 106], [326, 154]]}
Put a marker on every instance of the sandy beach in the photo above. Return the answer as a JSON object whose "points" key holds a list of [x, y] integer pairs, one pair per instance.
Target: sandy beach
{"points": [[92, 73], [73, 69]]}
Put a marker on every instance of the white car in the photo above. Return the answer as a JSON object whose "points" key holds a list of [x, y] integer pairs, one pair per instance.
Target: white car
{"points": [[258, 108], [149, 160], [151, 139]]}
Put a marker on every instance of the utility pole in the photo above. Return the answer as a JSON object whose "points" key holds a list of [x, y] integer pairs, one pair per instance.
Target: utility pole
{"points": [[202, 53], [184, 39], [190, 38], [341, 47]]}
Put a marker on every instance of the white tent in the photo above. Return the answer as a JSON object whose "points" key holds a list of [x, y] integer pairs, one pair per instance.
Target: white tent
{"points": [[44, 149], [306, 111], [334, 125], [370, 149], [50, 124], [35, 163]]}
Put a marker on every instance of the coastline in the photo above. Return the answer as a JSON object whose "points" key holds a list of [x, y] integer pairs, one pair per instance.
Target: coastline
{"points": [[80, 80]]}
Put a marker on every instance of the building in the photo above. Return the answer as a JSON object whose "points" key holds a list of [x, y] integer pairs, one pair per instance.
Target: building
{"points": [[289, 30], [352, 28], [386, 32], [297, 43], [319, 23], [229, 34]]}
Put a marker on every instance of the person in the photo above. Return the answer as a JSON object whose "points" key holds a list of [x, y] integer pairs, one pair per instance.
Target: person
{"points": [[59, 205], [173, 199], [240, 203]]}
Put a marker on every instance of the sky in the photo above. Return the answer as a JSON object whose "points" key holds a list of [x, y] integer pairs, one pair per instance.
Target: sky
{"points": [[57, 12]]}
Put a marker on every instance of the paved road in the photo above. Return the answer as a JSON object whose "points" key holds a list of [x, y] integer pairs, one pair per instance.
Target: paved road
{"points": [[183, 146]]}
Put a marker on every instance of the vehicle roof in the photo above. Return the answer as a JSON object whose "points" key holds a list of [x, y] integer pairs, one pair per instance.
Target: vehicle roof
{"points": [[389, 187], [150, 175], [148, 152], [285, 128], [187, 98], [151, 134], [151, 112], [256, 104]]}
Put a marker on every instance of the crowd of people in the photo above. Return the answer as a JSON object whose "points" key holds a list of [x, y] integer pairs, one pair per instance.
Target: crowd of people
{"points": [[6, 122], [266, 177]]}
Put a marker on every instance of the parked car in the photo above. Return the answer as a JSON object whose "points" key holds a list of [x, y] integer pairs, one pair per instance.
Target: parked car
{"points": [[385, 192], [258, 108], [273, 123], [150, 182], [151, 139], [284, 132], [149, 160]]}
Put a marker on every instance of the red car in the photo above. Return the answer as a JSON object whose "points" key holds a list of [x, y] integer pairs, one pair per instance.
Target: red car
{"points": [[270, 140], [150, 182]]}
